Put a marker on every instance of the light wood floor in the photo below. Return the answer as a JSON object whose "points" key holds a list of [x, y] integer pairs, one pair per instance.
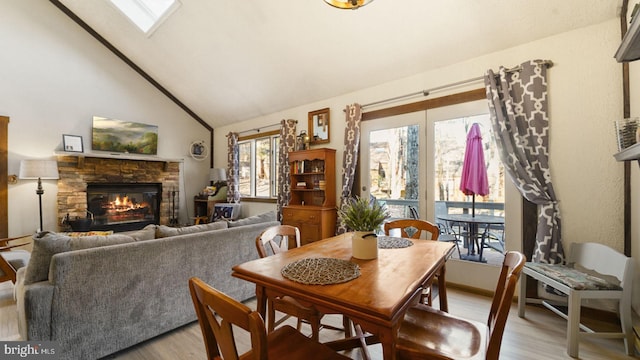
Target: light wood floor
{"points": [[540, 336]]}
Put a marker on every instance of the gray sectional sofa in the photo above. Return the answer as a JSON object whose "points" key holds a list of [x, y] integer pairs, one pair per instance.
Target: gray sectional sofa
{"points": [[96, 295]]}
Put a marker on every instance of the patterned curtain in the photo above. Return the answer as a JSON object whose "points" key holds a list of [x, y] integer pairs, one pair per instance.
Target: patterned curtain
{"points": [[518, 107], [350, 157], [287, 144], [233, 163]]}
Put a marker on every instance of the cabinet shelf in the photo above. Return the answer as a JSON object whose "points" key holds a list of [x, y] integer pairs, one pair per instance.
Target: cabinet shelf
{"points": [[312, 209], [629, 49], [630, 153]]}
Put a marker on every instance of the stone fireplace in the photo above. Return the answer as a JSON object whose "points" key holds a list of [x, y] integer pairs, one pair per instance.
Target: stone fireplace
{"points": [[100, 186]]}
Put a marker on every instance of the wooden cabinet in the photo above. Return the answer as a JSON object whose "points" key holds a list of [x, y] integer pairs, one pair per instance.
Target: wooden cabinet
{"points": [[203, 208], [312, 207], [315, 223]]}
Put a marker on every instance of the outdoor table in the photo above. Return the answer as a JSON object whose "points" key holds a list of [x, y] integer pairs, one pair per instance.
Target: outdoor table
{"points": [[376, 300], [472, 223]]}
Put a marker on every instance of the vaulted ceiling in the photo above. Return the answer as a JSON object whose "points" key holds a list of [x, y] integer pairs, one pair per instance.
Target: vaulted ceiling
{"points": [[230, 61]]}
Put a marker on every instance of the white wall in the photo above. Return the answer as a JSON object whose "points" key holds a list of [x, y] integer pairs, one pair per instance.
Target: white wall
{"points": [[54, 78], [585, 96]]}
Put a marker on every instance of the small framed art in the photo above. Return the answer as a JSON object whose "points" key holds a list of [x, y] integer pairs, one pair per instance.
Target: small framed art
{"points": [[72, 143]]}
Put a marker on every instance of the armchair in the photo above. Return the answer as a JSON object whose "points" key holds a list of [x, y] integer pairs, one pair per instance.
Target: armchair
{"points": [[11, 260]]}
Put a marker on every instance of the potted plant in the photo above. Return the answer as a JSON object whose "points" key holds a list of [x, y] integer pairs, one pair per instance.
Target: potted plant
{"points": [[364, 217]]}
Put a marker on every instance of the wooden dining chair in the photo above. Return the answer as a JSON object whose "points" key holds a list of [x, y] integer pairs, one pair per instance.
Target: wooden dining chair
{"points": [[218, 315], [275, 240], [427, 333], [413, 229], [12, 259]]}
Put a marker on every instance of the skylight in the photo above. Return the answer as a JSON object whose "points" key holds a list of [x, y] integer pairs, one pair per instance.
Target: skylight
{"points": [[146, 14]]}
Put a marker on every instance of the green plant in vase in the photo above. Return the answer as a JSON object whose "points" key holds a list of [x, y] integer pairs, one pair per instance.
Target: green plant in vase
{"points": [[360, 214], [364, 217]]}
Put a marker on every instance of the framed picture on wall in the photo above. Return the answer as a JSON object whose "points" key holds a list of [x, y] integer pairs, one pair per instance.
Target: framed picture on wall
{"points": [[72, 143], [319, 126]]}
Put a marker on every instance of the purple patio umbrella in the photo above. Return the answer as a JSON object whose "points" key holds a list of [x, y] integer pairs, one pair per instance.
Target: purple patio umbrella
{"points": [[474, 171]]}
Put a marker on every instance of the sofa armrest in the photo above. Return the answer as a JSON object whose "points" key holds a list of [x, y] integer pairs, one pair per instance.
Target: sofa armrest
{"points": [[34, 308]]}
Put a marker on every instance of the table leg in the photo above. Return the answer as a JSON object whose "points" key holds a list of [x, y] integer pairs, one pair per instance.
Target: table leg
{"points": [[442, 290], [387, 340], [473, 232]]}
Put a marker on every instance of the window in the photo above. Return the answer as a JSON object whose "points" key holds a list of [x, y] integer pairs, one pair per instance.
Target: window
{"points": [[147, 15], [450, 144], [393, 168], [259, 165]]}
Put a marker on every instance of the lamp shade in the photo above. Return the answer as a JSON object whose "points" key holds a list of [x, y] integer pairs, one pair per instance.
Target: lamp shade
{"points": [[38, 169], [217, 174]]}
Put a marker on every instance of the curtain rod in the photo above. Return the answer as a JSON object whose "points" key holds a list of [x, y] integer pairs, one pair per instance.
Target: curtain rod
{"points": [[427, 92], [260, 128]]}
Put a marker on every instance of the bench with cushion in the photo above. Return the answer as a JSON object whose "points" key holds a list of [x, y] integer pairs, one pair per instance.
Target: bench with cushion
{"points": [[593, 271]]}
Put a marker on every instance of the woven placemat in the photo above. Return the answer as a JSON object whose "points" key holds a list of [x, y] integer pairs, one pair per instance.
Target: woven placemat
{"points": [[389, 242], [321, 271]]}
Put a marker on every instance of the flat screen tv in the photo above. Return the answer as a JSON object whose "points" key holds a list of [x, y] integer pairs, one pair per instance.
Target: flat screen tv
{"points": [[124, 136]]}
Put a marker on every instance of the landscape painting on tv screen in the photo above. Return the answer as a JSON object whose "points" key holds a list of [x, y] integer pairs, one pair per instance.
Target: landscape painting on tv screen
{"points": [[124, 136]]}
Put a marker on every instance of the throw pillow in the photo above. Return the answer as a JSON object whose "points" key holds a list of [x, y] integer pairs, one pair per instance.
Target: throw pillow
{"points": [[256, 219], [46, 244], [165, 231], [146, 233]]}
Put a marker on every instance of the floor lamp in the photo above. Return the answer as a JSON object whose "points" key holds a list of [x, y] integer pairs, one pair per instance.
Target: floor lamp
{"points": [[41, 170]]}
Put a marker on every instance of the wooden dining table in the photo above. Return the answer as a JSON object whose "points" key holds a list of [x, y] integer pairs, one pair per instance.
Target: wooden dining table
{"points": [[376, 300]]}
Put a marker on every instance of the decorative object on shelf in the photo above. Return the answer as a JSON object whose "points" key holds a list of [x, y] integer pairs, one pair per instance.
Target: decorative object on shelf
{"points": [[72, 143], [124, 136], [302, 141], [626, 131], [364, 217], [319, 126], [41, 170], [348, 4]]}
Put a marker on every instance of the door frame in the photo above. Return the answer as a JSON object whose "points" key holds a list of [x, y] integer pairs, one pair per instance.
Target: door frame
{"points": [[4, 181]]}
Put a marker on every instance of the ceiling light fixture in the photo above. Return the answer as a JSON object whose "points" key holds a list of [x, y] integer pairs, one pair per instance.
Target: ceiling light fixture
{"points": [[348, 4]]}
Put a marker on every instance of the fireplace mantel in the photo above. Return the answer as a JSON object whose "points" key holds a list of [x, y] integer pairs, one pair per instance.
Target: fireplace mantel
{"points": [[118, 156]]}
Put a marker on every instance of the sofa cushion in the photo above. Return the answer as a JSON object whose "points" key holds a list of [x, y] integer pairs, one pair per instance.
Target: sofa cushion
{"points": [[46, 244], [260, 218], [163, 231], [146, 233]]}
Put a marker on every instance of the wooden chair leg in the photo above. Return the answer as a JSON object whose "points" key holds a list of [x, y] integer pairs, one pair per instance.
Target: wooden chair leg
{"points": [[346, 325]]}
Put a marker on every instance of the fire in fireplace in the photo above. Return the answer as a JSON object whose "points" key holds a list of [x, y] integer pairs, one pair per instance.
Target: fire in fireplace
{"points": [[124, 206]]}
